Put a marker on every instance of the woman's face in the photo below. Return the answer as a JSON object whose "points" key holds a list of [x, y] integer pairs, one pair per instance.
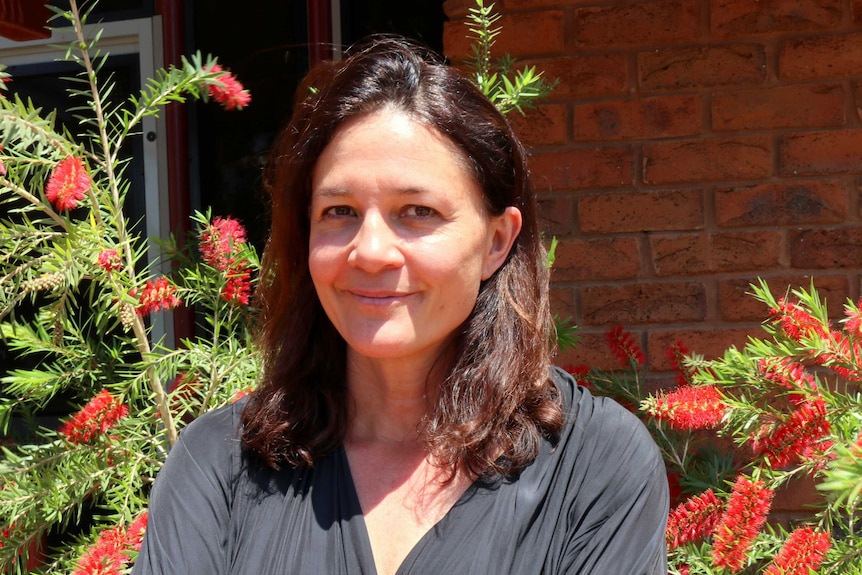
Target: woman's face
{"points": [[400, 239]]}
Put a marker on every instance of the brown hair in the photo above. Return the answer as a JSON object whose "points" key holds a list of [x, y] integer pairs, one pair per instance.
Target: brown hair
{"points": [[497, 401]]}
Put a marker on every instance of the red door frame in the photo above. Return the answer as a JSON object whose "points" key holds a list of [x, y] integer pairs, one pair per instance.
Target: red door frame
{"points": [[176, 141], [319, 31]]}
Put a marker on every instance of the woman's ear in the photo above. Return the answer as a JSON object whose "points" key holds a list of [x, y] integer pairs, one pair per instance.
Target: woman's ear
{"points": [[504, 229]]}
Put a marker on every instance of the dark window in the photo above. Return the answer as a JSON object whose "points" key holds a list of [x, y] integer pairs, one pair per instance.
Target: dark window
{"points": [[110, 10], [421, 20], [267, 48]]}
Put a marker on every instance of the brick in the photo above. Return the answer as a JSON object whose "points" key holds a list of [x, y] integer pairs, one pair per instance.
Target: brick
{"points": [[643, 303], [457, 9], [703, 66], [693, 254], [544, 125], [531, 4], [859, 195], [609, 167], [562, 301], [556, 215], [592, 350], [644, 118], [857, 98], [782, 204], [710, 343], [714, 159], [583, 75], [640, 211], [798, 494], [829, 249], [782, 107], [596, 260], [820, 57], [821, 152], [644, 23], [457, 41], [522, 35], [731, 18], [736, 302]]}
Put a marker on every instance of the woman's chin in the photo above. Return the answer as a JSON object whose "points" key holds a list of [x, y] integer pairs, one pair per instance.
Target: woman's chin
{"points": [[394, 349]]}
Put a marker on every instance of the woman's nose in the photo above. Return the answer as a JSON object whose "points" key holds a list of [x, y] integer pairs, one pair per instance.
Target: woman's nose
{"points": [[375, 246]]}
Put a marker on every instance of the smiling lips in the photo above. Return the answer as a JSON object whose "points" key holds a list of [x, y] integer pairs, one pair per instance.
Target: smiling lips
{"points": [[377, 298]]}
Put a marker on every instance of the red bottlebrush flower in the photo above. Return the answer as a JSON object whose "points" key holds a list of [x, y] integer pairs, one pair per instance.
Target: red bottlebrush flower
{"points": [[803, 552], [853, 323], [693, 520], [797, 436], [797, 323], [220, 244], [157, 295], [99, 415], [740, 523], [580, 372], [106, 556], [221, 241], [5, 533], [689, 407], [240, 394], [841, 356], [676, 355], [624, 347], [68, 184], [787, 374], [109, 260], [109, 554], [135, 533], [238, 286], [230, 93]]}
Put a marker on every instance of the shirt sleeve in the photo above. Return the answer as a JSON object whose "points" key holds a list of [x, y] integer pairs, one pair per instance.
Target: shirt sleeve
{"points": [[191, 499], [617, 523]]}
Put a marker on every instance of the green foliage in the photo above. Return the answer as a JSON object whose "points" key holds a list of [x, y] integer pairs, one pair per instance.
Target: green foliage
{"points": [[789, 409], [74, 313], [507, 88]]}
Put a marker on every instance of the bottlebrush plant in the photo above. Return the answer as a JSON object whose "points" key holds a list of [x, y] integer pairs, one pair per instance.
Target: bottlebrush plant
{"points": [[735, 429], [77, 303]]}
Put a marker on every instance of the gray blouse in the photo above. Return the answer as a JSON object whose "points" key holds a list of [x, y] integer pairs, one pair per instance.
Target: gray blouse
{"points": [[596, 503]]}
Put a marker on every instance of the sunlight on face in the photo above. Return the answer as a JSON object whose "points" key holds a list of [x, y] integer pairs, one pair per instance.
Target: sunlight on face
{"points": [[400, 239]]}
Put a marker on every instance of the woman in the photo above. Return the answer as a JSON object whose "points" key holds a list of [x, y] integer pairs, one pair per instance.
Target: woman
{"points": [[408, 419]]}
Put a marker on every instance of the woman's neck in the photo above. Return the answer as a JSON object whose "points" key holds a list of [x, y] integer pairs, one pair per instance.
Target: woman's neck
{"points": [[389, 399]]}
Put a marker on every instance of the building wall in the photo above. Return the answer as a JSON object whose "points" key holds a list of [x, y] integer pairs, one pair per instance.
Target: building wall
{"points": [[691, 147]]}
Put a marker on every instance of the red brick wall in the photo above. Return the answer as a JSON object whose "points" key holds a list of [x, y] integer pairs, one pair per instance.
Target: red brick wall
{"points": [[691, 147]]}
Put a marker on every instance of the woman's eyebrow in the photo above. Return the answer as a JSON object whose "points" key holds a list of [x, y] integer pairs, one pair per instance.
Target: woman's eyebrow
{"points": [[341, 192]]}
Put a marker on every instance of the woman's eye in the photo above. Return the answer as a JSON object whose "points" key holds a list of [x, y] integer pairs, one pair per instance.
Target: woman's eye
{"points": [[420, 212], [339, 211]]}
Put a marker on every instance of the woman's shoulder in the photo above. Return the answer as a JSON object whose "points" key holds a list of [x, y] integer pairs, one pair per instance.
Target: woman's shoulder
{"points": [[601, 426], [214, 436]]}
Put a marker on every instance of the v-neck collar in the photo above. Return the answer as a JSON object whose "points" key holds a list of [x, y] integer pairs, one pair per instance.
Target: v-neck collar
{"points": [[430, 535]]}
